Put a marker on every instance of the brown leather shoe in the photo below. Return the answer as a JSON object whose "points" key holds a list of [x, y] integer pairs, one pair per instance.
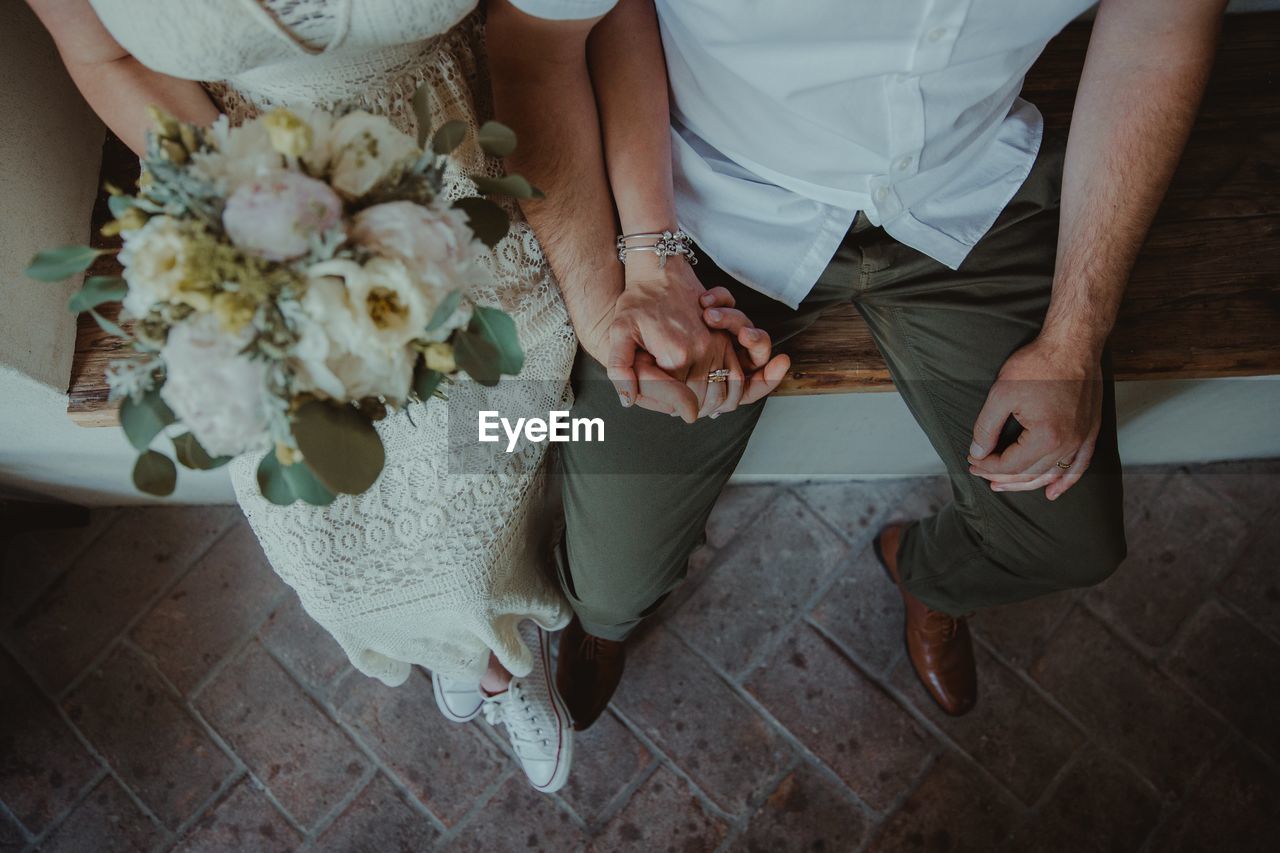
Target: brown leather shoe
{"points": [[587, 673], [939, 645]]}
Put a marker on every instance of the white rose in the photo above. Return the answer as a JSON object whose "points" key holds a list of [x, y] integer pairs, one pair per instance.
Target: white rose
{"points": [[243, 154], [156, 261], [390, 306], [219, 394], [362, 149], [335, 355], [277, 215]]}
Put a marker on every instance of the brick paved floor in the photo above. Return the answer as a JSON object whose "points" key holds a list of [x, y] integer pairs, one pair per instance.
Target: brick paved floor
{"points": [[160, 688]]}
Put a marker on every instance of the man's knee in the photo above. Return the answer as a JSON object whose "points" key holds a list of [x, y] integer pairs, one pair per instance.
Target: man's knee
{"points": [[1082, 557], [611, 594]]}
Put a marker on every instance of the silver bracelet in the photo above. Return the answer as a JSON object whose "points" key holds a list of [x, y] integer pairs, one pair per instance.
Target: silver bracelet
{"points": [[664, 244]]}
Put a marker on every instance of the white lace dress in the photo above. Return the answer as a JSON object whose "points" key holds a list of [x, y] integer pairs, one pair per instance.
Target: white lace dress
{"points": [[428, 567]]}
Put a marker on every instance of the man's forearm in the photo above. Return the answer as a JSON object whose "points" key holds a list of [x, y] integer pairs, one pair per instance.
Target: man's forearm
{"points": [[542, 90], [1143, 79]]}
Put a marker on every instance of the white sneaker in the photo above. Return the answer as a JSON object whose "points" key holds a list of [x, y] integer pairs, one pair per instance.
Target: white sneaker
{"points": [[536, 719], [459, 701]]}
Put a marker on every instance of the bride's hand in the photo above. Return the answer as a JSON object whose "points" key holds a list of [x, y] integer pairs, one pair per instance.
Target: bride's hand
{"points": [[754, 352]]}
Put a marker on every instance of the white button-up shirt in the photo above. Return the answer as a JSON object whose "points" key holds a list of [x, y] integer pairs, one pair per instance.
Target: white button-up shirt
{"points": [[790, 116]]}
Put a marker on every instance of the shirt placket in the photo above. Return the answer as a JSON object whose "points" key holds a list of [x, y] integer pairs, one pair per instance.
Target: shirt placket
{"points": [[940, 27]]}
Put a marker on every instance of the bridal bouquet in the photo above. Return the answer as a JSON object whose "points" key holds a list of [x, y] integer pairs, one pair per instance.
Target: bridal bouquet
{"points": [[291, 280]]}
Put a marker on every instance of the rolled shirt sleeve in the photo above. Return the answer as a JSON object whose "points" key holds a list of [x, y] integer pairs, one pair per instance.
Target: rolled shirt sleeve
{"points": [[564, 10]]}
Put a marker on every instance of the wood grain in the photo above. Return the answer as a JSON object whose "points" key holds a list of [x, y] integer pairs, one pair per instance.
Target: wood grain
{"points": [[1204, 298]]}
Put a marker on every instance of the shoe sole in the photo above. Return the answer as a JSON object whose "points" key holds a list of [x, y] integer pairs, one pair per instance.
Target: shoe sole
{"points": [[564, 755], [444, 705]]}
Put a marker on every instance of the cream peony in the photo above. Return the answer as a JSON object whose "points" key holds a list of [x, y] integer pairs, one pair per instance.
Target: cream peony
{"points": [[244, 153], [277, 215], [391, 307], [158, 267], [363, 149], [336, 356], [219, 394]]}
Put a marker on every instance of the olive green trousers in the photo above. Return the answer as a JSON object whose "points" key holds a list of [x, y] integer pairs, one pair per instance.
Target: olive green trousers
{"points": [[636, 504]]}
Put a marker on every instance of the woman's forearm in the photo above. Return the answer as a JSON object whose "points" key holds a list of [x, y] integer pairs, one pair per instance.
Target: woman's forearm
{"points": [[542, 90], [117, 86]]}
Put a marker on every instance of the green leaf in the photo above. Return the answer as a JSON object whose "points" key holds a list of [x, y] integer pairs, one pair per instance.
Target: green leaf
{"points": [[478, 356], [96, 290], [426, 381], [500, 330], [302, 480], [271, 482], [496, 139], [445, 310], [192, 455], [155, 474], [489, 221], [62, 262], [144, 418], [449, 136], [340, 445], [512, 185], [108, 326]]}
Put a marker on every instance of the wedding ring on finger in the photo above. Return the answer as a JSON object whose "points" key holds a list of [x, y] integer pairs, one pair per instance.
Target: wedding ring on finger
{"points": [[721, 375], [1065, 466]]}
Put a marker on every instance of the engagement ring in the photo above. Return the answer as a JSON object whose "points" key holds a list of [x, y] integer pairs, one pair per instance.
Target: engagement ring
{"points": [[721, 375]]}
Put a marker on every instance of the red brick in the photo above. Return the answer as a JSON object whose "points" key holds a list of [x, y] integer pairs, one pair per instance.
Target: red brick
{"points": [[106, 822], [379, 820], [807, 811], [225, 596], [244, 820], [858, 508], [309, 651], [952, 810], [737, 506], [606, 758], [1125, 703], [863, 612], [1017, 736], [760, 584], [43, 767], [108, 584], [728, 749], [1020, 632], [844, 717], [663, 815], [32, 560], [1254, 585], [160, 752], [518, 818], [1236, 808], [445, 765], [285, 739]]}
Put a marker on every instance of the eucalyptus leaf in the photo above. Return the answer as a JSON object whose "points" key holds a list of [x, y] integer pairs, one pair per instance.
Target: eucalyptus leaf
{"points": [[448, 136], [489, 221], [191, 454], [500, 330], [108, 326], [155, 474], [445, 310], [271, 481], [144, 418], [96, 290], [478, 356], [62, 262], [496, 139], [426, 381], [339, 445], [512, 185]]}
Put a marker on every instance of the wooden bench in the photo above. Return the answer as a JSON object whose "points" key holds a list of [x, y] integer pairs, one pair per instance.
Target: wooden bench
{"points": [[1204, 298]]}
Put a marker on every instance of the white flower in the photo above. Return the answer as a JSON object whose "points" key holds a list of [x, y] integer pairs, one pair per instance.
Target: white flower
{"points": [[362, 149], [243, 153], [391, 307], [277, 215], [219, 394], [157, 267], [336, 355]]}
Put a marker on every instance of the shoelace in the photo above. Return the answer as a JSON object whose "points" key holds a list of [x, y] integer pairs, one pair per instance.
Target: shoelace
{"points": [[938, 623], [514, 710]]}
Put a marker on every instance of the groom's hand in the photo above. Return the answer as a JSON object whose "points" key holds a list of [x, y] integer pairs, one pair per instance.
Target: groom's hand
{"points": [[1055, 392]]}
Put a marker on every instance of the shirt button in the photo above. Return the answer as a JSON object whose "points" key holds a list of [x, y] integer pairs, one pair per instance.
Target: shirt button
{"points": [[904, 163], [880, 195], [937, 34]]}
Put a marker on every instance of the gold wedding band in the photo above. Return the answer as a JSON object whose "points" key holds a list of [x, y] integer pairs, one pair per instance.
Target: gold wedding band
{"points": [[1063, 465], [721, 375]]}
